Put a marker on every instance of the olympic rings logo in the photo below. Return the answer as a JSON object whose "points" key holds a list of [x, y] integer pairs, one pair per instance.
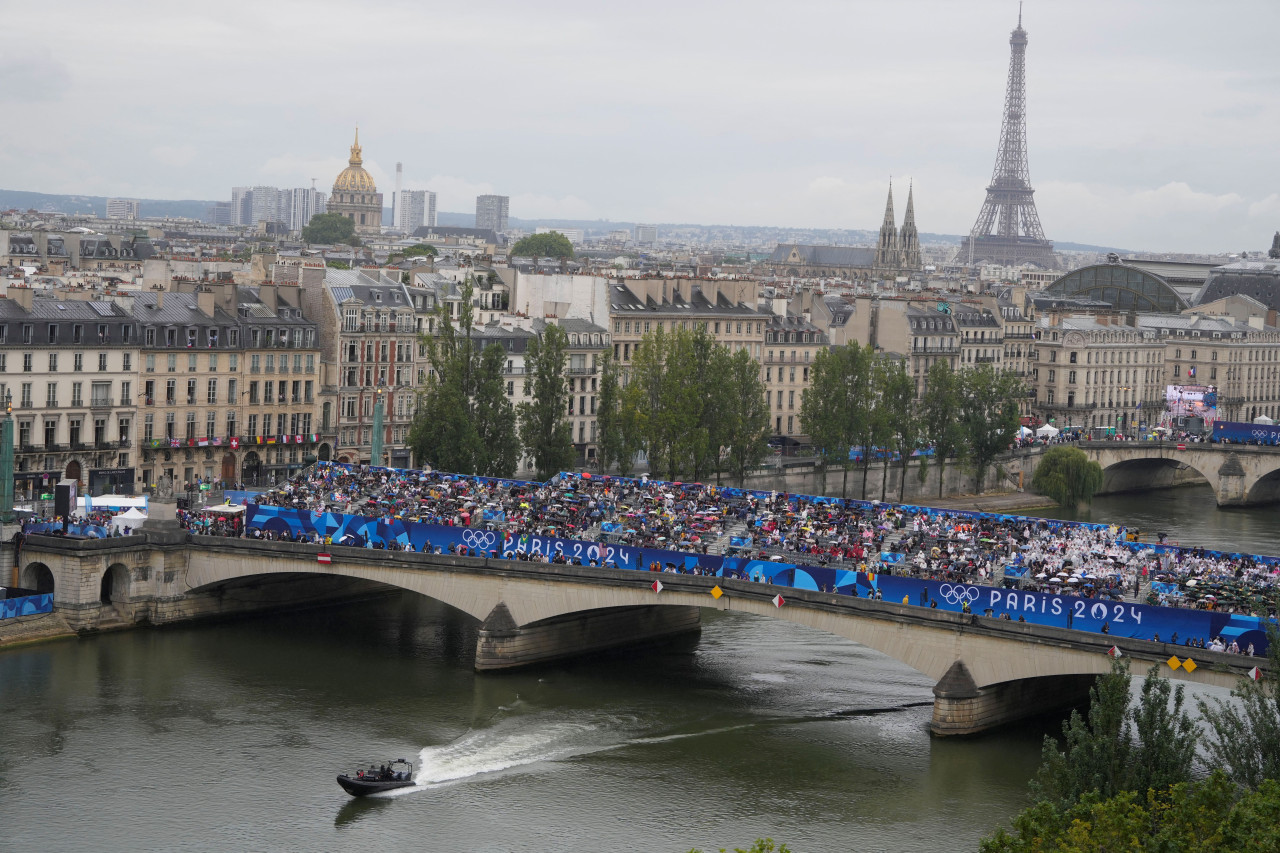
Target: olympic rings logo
{"points": [[958, 593], [479, 538]]}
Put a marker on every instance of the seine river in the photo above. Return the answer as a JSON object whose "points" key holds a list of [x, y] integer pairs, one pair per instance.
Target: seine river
{"points": [[228, 736]]}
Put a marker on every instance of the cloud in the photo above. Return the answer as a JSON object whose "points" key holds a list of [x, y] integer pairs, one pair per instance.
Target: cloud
{"points": [[31, 75], [174, 155]]}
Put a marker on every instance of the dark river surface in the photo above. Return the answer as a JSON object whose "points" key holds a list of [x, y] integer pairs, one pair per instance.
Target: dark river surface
{"points": [[228, 736]]}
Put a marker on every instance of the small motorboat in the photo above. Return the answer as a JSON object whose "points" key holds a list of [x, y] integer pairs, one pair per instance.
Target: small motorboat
{"points": [[387, 777]]}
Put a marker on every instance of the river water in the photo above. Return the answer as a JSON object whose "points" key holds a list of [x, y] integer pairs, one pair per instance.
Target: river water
{"points": [[228, 736]]}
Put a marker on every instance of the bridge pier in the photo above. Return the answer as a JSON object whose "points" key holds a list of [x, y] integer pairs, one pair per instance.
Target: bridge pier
{"points": [[504, 645], [960, 707]]}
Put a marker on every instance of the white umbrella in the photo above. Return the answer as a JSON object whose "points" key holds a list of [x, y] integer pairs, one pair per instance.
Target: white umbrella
{"points": [[1047, 431]]}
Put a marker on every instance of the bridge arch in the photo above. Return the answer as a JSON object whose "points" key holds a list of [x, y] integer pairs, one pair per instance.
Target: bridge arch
{"points": [[1266, 489], [1139, 474], [36, 576], [113, 588]]}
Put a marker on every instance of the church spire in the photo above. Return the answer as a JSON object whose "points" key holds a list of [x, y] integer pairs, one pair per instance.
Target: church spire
{"points": [[909, 239], [356, 159], [887, 245]]}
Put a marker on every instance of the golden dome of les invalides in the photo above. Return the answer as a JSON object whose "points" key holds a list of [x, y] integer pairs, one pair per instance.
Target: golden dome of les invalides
{"points": [[354, 179]]}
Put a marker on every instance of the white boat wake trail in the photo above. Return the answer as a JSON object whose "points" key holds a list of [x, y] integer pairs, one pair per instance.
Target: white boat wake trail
{"points": [[513, 744]]}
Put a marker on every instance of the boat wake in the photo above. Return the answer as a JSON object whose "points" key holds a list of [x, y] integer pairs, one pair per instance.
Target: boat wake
{"points": [[524, 742]]}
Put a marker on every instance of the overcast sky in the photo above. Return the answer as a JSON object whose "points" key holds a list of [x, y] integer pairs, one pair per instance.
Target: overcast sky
{"points": [[1151, 125]]}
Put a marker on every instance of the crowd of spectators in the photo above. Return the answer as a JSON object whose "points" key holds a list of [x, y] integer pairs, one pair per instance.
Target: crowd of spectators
{"points": [[1051, 556]]}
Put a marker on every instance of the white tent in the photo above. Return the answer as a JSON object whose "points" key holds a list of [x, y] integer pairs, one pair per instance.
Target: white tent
{"points": [[224, 509], [1047, 431], [1023, 432], [132, 519], [1263, 419]]}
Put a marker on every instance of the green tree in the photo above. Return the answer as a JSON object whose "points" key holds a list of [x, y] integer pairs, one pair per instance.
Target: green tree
{"points": [[544, 428], [549, 245], [330, 228], [1244, 734], [988, 415], [903, 429], [940, 408], [617, 430], [464, 421], [745, 413], [1117, 749], [420, 250], [665, 401], [1067, 475], [837, 408]]}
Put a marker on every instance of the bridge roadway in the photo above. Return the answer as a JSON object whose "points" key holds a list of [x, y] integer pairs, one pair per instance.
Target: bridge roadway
{"points": [[1240, 474], [988, 671]]}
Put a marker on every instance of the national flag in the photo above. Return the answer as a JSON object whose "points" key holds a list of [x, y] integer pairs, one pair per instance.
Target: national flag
{"points": [[204, 442], [778, 600], [1115, 652], [326, 559], [656, 586], [271, 439], [297, 439], [216, 441], [173, 442], [235, 442], [315, 438]]}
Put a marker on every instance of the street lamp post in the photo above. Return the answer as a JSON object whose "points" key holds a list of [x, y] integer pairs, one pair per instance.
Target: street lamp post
{"points": [[6, 461], [375, 452]]}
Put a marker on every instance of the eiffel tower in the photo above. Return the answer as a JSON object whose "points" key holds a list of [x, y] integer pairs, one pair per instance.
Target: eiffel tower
{"points": [[1008, 228]]}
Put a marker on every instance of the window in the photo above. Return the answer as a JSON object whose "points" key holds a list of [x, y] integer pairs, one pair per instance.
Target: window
{"points": [[268, 392], [53, 362], [231, 392], [149, 336], [212, 391], [169, 426], [26, 362], [148, 427], [151, 364], [128, 361], [77, 392], [233, 362], [191, 363], [253, 426], [233, 337], [102, 362], [51, 395], [253, 393], [173, 363], [213, 362], [191, 392], [210, 423], [254, 363], [126, 393], [75, 431], [77, 334], [171, 391], [123, 426], [100, 394], [191, 425]]}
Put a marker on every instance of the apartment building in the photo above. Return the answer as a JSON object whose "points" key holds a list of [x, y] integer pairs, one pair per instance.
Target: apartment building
{"points": [[791, 344], [68, 369]]}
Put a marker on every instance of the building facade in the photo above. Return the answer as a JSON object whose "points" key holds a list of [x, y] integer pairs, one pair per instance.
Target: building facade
{"points": [[122, 208], [415, 209]]}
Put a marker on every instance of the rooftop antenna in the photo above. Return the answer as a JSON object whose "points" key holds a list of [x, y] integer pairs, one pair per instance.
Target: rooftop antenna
{"points": [[313, 183]]}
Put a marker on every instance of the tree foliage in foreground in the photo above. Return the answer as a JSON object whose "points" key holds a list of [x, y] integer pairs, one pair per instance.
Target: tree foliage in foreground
{"points": [[1244, 734], [762, 845], [1211, 816], [1115, 748], [1067, 475]]}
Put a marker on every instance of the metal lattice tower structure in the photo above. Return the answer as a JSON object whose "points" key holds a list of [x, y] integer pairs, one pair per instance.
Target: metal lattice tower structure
{"points": [[1008, 228]]}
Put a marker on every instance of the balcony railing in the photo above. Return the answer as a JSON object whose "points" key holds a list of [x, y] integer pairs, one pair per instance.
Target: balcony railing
{"points": [[100, 403], [581, 371], [933, 348]]}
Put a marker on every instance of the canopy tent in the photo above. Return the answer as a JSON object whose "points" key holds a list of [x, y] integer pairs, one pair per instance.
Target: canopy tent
{"points": [[224, 509], [114, 502], [131, 518], [1023, 432], [1263, 419], [1047, 431]]}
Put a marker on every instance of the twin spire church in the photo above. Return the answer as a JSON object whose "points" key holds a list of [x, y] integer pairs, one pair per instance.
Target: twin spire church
{"points": [[898, 252]]}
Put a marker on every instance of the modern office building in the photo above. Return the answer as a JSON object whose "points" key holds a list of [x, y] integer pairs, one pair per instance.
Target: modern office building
{"points": [[122, 208], [491, 212], [415, 209]]}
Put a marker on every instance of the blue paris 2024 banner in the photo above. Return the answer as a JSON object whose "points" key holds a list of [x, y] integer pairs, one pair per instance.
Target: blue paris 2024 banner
{"points": [[1121, 619]]}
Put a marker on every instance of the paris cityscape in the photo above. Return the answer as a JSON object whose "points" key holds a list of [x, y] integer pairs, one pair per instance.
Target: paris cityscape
{"points": [[955, 530]]}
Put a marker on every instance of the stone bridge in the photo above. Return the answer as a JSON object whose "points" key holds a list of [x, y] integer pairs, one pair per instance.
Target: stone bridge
{"points": [[1240, 474], [988, 671]]}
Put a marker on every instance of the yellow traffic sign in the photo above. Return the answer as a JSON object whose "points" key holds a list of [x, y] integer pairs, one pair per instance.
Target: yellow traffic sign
{"points": [[716, 592], [1173, 662], [1189, 665]]}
